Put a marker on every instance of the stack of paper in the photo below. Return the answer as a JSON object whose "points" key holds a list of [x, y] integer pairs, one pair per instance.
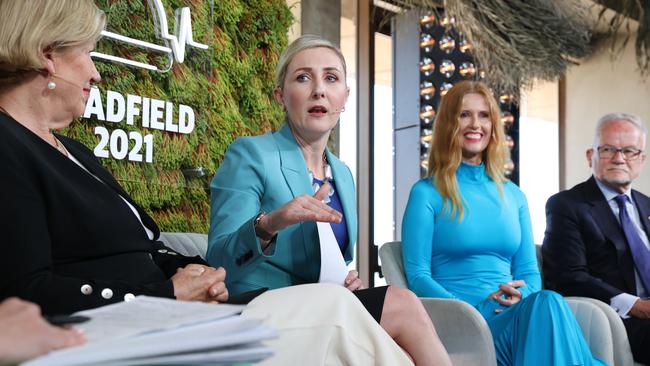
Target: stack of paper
{"points": [[157, 331]]}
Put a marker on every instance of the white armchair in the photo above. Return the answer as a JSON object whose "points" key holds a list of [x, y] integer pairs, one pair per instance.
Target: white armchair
{"points": [[621, 351], [189, 244]]}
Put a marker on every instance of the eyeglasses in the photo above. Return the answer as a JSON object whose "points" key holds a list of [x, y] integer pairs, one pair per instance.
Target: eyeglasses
{"points": [[609, 151]]}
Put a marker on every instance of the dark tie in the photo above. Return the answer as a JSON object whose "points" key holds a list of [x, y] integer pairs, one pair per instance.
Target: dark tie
{"points": [[640, 253]]}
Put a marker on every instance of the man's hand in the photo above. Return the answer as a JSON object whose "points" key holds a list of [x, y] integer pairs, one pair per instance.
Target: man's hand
{"points": [[640, 309]]}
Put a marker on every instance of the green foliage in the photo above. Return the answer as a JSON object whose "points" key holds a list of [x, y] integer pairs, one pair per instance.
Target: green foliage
{"points": [[229, 87]]}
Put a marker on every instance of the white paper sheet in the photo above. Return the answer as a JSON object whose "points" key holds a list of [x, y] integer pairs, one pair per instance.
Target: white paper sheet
{"points": [[332, 265], [147, 314], [162, 329]]}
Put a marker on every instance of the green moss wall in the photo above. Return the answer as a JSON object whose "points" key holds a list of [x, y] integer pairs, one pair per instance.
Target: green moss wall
{"points": [[229, 86]]}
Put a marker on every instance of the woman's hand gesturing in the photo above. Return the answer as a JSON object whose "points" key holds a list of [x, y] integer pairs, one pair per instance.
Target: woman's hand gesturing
{"points": [[303, 208]]}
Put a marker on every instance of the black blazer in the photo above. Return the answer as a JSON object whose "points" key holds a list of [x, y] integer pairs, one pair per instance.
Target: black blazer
{"points": [[64, 230], [585, 252]]}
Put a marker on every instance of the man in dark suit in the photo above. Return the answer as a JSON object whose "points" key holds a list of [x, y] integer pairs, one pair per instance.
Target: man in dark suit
{"points": [[596, 241]]}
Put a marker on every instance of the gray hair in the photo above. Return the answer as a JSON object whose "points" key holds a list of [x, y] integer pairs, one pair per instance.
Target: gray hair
{"points": [[611, 117], [302, 43]]}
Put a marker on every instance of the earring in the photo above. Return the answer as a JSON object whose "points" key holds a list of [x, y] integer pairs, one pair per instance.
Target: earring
{"points": [[51, 85]]}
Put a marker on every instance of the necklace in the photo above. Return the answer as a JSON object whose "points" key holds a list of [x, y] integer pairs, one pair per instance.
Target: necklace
{"points": [[59, 146], [328, 178]]}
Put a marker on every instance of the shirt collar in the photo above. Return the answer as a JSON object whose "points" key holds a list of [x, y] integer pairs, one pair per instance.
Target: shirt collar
{"points": [[610, 194]]}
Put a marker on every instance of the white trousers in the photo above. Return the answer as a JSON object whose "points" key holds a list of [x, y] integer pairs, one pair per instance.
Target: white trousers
{"points": [[323, 324]]}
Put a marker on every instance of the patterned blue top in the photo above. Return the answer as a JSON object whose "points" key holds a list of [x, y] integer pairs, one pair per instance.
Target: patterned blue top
{"points": [[341, 229], [467, 259]]}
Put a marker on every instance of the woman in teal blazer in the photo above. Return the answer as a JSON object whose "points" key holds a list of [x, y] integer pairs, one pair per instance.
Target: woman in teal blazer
{"points": [[253, 168], [264, 210]]}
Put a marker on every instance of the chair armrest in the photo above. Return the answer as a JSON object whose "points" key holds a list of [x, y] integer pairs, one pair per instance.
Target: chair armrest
{"points": [[595, 327], [463, 331], [188, 244], [621, 345]]}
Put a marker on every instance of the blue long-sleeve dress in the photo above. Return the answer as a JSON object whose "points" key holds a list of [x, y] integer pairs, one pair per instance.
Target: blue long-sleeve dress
{"points": [[467, 259]]}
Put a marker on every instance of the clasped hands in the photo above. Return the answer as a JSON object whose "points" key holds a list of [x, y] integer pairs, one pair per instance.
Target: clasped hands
{"points": [[196, 282], [507, 294]]}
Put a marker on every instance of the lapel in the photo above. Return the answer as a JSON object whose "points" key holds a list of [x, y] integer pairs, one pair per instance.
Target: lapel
{"points": [[642, 204], [100, 172], [292, 163], [602, 213], [604, 217], [345, 187], [294, 171]]}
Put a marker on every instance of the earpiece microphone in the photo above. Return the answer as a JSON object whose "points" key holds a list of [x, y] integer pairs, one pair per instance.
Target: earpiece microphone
{"points": [[337, 111], [69, 82]]}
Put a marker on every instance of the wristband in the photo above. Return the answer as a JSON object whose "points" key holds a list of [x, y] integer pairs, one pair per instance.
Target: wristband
{"points": [[259, 231]]}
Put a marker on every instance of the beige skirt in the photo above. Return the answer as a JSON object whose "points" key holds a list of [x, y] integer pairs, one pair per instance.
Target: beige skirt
{"points": [[323, 324]]}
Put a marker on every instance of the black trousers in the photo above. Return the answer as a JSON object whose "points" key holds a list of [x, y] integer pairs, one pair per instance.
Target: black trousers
{"points": [[638, 332]]}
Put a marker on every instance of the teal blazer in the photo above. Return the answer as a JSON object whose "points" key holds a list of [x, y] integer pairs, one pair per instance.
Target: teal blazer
{"points": [[262, 173]]}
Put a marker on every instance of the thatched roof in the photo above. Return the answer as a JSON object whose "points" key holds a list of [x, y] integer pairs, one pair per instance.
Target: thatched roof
{"points": [[519, 41]]}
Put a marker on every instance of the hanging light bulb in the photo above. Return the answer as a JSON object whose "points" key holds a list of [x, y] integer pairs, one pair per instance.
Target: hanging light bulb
{"points": [[444, 88], [507, 118], [464, 46], [447, 68], [424, 166], [505, 98], [427, 66], [427, 22], [447, 21], [510, 142], [467, 69], [509, 167], [424, 148], [427, 42], [427, 114], [447, 44], [427, 90]]}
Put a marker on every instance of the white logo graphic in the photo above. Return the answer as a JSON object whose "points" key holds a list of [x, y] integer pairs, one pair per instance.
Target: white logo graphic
{"points": [[175, 44]]}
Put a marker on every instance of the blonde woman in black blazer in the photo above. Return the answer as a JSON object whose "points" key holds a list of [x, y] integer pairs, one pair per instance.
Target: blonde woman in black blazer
{"points": [[72, 238]]}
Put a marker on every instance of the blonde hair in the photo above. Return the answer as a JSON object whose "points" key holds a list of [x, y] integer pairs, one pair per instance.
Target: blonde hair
{"points": [[445, 154], [29, 27], [300, 44]]}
